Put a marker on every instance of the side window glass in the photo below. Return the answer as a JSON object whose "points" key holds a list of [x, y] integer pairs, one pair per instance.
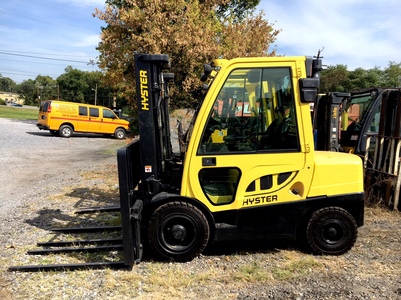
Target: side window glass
{"points": [[94, 112], [374, 125], [219, 184], [253, 112], [358, 113], [108, 114], [45, 106], [83, 111]]}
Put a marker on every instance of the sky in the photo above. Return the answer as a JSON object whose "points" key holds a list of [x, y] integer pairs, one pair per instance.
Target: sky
{"points": [[43, 37], [355, 33]]}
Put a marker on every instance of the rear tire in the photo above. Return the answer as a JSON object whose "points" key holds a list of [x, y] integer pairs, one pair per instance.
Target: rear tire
{"points": [[331, 231], [178, 231], [119, 134], [66, 131]]}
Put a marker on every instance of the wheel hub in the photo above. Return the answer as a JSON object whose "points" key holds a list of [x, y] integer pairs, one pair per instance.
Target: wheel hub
{"points": [[331, 232], [179, 232]]}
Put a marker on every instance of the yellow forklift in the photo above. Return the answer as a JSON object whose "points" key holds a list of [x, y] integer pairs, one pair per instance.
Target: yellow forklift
{"points": [[246, 169]]}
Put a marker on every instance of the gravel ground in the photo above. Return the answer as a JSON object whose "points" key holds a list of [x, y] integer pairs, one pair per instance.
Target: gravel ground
{"points": [[35, 166]]}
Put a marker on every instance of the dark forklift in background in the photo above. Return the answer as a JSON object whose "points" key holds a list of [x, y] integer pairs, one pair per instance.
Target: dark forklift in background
{"points": [[342, 121], [361, 116], [367, 123]]}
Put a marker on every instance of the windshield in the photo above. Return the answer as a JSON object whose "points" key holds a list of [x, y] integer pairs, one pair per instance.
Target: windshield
{"points": [[357, 112], [254, 111]]}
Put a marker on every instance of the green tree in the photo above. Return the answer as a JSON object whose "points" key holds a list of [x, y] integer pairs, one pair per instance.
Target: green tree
{"points": [[361, 79], [236, 8], [338, 78], [85, 87], [333, 79], [72, 85], [27, 90], [7, 84], [191, 32], [392, 75], [47, 87], [99, 90]]}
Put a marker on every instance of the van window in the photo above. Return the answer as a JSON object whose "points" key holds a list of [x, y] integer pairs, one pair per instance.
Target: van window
{"points": [[108, 114], [44, 106], [94, 112], [83, 111]]}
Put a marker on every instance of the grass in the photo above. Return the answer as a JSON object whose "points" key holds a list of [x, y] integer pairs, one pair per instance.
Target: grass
{"points": [[18, 113], [296, 266]]}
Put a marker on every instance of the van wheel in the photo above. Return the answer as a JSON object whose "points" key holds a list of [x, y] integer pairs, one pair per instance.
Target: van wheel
{"points": [[178, 231], [119, 134], [331, 231], [65, 131]]}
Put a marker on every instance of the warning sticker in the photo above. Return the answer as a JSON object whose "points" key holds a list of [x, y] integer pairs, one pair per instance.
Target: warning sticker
{"points": [[148, 169]]}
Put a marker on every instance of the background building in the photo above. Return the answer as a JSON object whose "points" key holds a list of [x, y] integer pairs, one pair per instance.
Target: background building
{"points": [[11, 98]]}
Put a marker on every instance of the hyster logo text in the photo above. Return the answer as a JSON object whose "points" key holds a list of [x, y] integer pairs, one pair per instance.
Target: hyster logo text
{"points": [[143, 75], [259, 200]]}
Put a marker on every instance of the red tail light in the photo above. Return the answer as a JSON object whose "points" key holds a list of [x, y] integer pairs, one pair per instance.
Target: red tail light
{"points": [[49, 108]]}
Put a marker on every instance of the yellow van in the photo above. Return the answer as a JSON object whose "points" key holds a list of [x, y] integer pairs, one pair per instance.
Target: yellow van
{"points": [[63, 118]]}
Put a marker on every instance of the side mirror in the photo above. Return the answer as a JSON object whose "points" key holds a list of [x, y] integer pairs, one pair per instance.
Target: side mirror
{"points": [[309, 89], [207, 70]]}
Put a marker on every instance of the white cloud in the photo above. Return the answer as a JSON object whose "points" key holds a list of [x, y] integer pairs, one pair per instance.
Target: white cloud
{"points": [[355, 33], [88, 3], [87, 41]]}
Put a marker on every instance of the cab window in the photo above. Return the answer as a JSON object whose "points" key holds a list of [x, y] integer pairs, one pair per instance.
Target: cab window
{"points": [[108, 114], [253, 112]]}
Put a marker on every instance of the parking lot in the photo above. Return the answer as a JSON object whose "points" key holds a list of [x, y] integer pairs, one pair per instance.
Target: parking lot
{"points": [[32, 161]]}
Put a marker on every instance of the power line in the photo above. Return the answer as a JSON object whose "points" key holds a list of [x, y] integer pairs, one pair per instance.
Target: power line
{"points": [[61, 64], [17, 72], [41, 53], [47, 58]]}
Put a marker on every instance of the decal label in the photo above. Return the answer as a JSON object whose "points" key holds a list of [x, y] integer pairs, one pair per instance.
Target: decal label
{"points": [[143, 78], [259, 200]]}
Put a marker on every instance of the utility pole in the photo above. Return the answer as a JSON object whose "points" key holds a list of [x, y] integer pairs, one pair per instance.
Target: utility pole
{"points": [[95, 89], [39, 88]]}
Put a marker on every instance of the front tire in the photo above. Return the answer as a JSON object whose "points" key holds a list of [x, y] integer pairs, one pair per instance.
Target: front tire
{"points": [[331, 231], [119, 134], [178, 231], [66, 131]]}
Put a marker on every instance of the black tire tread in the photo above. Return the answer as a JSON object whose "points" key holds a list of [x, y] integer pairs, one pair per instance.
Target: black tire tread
{"points": [[160, 211], [331, 210]]}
